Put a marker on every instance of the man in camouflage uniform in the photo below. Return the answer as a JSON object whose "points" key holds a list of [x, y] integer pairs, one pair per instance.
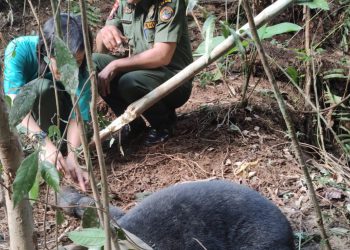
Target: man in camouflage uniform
{"points": [[156, 32]]}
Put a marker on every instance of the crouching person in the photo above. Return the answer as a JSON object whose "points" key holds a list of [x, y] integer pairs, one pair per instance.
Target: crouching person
{"points": [[156, 33], [27, 62]]}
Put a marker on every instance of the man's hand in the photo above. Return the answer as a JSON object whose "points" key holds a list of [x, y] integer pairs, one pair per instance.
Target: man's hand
{"points": [[105, 77], [110, 37]]}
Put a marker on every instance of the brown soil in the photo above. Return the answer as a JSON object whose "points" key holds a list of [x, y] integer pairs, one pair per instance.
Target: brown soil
{"points": [[215, 138]]}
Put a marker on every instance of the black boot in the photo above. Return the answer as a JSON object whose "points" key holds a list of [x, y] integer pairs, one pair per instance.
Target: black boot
{"points": [[156, 136], [132, 132]]}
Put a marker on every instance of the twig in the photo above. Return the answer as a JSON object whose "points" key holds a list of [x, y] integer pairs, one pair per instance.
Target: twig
{"points": [[45, 215], [288, 121], [103, 171], [308, 72], [64, 233], [57, 17]]}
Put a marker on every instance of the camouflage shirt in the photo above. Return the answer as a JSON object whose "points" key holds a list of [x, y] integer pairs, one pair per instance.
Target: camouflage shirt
{"points": [[154, 21]]}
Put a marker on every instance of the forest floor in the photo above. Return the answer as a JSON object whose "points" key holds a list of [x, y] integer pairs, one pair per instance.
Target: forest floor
{"points": [[216, 138]]}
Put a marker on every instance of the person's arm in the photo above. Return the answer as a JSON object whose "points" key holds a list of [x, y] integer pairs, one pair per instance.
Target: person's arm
{"points": [[15, 62], [74, 142], [158, 56], [110, 37], [50, 151]]}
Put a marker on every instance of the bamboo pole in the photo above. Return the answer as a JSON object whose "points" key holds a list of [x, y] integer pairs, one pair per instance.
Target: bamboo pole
{"points": [[137, 108]]}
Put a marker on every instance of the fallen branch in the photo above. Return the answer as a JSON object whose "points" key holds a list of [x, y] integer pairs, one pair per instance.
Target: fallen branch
{"points": [[137, 108]]}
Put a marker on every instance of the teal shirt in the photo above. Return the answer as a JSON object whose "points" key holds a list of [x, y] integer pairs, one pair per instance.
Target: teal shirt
{"points": [[21, 63], [21, 67]]}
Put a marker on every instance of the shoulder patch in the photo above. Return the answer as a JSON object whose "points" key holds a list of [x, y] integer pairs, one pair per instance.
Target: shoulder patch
{"points": [[166, 13], [164, 2], [150, 24]]}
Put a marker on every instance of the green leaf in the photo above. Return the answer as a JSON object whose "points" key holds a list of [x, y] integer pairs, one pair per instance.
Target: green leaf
{"points": [[25, 177], [90, 218], [59, 217], [226, 30], [50, 174], [281, 28], [335, 76], [331, 98], [334, 71], [22, 103], [34, 191], [293, 73], [215, 41], [88, 237], [208, 32], [54, 133], [244, 43], [8, 101], [317, 4], [339, 231], [238, 43], [67, 66], [217, 75]]}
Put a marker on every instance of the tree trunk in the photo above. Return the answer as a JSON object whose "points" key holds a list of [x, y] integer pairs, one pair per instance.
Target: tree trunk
{"points": [[20, 218]]}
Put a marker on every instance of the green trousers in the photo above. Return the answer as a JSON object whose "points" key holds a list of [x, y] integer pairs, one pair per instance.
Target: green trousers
{"points": [[45, 110], [131, 86]]}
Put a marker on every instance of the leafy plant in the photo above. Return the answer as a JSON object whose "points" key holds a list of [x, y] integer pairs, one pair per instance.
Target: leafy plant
{"points": [[67, 66], [28, 177], [54, 133], [88, 237], [50, 174], [209, 77], [264, 32], [344, 44], [316, 4], [8, 101], [93, 13], [335, 74], [25, 177], [341, 116], [208, 31], [293, 74], [267, 32], [22, 104], [34, 191]]}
